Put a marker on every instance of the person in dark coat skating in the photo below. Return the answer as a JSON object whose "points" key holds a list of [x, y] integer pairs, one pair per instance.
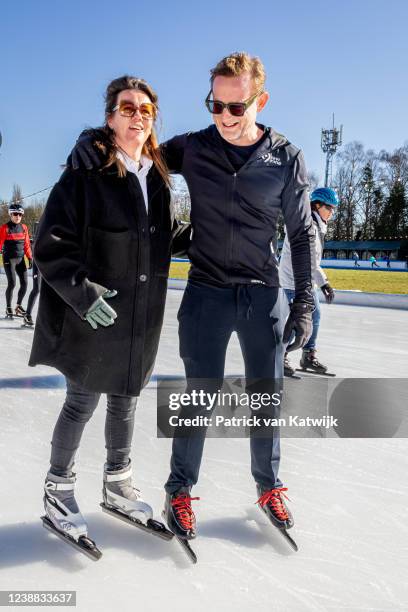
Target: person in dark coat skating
{"points": [[103, 249]]}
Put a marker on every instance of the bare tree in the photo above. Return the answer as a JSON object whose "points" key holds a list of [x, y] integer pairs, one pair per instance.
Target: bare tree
{"points": [[350, 163], [32, 214], [395, 165], [17, 196], [372, 189], [181, 199], [372, 196], [313, 180], [393, 218]]}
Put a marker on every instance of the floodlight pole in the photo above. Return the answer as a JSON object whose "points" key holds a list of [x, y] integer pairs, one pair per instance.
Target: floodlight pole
{"points": [[330, 141]]}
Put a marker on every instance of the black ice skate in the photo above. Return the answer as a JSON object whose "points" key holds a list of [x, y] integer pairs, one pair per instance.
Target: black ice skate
{"points": [[19, 311], [9, 313], [180, 518], [309, 363], [271, 502], [28, 321], [288, 369]]}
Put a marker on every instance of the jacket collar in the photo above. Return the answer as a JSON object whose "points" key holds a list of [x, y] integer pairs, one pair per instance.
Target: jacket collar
{"points": [[132, 166], [320, 223], [273, 141]]}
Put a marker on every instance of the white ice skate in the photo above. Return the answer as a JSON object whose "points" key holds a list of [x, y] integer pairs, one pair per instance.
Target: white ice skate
{"points": [[62, 515], [122, 501], [61, 507], [119, 494]]}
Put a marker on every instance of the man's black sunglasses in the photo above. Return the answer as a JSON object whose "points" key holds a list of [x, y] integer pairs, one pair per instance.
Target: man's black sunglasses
{"points": [[237, 109]]}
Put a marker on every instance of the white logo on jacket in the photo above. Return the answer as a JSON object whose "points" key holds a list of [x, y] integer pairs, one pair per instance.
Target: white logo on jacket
{"points": [[270, 159]]}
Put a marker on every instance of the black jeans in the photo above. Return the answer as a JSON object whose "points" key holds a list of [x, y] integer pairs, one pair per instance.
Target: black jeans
{"points": [[12, 267], [77, 410], [35, 290], [207, 317]]}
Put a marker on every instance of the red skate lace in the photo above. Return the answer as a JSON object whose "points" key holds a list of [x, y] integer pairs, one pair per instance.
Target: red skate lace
{"points": [[185, 514], [274, 499]]}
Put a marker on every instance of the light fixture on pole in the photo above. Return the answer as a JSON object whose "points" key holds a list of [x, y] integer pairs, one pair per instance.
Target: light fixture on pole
{"points": [[330, 141]]}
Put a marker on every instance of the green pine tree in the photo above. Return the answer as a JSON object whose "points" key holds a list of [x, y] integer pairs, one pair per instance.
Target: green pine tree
{"points": [[392, 222]]}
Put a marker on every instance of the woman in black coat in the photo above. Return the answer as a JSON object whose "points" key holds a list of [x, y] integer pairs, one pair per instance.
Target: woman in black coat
{"points": [[105, 236]]}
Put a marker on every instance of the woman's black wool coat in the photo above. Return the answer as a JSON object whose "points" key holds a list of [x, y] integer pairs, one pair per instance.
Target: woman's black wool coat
{"points": [[94, 235]]}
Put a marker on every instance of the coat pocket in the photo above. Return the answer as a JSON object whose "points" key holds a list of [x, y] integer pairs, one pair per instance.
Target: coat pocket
{"points": [[108, 253]]}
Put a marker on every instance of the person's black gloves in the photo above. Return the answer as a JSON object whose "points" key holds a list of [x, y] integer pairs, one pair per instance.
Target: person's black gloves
{"points": [[181, 239], [88, 151], [328, 292], [300, 322]]}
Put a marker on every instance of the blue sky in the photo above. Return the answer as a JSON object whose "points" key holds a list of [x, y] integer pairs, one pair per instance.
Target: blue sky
{"points": [[347, 57]]}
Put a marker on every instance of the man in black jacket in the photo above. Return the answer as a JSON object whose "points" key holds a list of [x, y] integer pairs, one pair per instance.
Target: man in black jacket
{"points": [[240, 175]]}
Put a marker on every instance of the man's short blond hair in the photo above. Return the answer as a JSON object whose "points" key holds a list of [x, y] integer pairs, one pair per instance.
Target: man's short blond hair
{"points": [[238, 63]]}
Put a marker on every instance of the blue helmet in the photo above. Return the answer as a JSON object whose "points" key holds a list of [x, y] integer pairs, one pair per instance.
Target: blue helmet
{"points": [[325, 195]]}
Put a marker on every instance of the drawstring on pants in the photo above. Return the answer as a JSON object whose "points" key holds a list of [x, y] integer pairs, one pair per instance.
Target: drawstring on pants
{"points": [[244, 299]]}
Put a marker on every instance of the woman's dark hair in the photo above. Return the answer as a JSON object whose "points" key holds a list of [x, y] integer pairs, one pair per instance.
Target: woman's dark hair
{"points": [[151, 146]]}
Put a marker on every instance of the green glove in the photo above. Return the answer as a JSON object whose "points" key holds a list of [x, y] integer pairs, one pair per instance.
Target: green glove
{"points": [[100, 313]]}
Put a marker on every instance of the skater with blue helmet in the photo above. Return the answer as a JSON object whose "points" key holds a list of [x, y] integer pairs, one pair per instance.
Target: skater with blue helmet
{"points": [[324, 202]]}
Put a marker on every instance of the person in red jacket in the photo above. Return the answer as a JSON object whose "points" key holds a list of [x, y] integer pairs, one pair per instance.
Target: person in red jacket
{"points": [[15, 242]]}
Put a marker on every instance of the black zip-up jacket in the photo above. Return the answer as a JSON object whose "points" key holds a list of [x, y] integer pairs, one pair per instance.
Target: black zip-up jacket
{"points": [[234, 215]]}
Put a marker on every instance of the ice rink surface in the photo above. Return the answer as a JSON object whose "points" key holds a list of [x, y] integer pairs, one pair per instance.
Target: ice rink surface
{"points": [[349, 496]]}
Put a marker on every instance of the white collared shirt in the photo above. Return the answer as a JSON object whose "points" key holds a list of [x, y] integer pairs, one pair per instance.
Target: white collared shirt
{"points": [[141, 173]]}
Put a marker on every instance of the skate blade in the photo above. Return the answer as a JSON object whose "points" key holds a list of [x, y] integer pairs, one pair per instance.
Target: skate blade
{"points": [[185, 546], [289, 539], [294, 376], [153, 527], [282, 531], [314, 372], [90, 550], [187, 549]]}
